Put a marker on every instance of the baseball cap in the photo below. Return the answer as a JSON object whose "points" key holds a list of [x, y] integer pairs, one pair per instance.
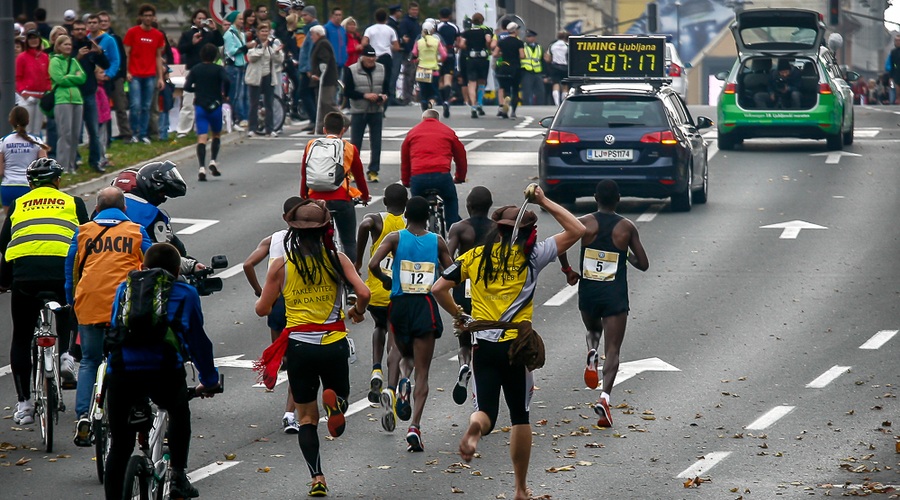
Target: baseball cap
{"points": [[395, 8], [310, 10], [69, 15], [368, 50], [530, 33], [506, 216], [309, 214], [32, 33]]}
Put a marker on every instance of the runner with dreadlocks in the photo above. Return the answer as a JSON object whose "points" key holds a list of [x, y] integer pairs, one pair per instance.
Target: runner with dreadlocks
{"points": [[503, 276], [310, 276]]}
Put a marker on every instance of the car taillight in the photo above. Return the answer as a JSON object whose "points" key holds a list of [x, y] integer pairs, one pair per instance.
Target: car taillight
{"points": [[824, 88], [729, 88], [674, 70], [666, 137], [557, 137], [46, 341]]}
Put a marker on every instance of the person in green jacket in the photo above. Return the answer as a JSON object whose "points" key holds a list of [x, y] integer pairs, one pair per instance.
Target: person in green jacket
{"points": [[67, 75]]}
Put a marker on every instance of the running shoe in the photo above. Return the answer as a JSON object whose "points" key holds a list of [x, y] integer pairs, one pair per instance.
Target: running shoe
{"points": [[83, 432], [146, 140], [214, 169], [334, 412], [512, 115], [591, 377], [237, 128], [474, 113], [372, 176], [404, 408], [180, 486], [67, 371], [414, 439], [318, 489], [134, 140], [201, 175], [480, 111], [24, 414], [506, 101], [290, 425], [446, 110], [388, 402], [376, 382], [601, 408], [461, 390]]}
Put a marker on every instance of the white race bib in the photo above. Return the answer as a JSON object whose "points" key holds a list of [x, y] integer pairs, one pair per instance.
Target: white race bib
{"points": [[387, 264], [599, 265], [416, 277], [423, 75]]}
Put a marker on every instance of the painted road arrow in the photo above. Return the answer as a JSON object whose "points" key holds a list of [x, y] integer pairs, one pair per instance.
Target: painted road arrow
{"points": [[834, 157], [236, 362], [792, 228], [631, 368]]}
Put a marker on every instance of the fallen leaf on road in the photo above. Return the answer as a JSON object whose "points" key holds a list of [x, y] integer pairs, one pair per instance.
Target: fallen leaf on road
{"points": [[383, 467], [584, 463], [263, 469], [564, 468], [648, 417], [432, 462], [541, 422], [230, 456], [598, 445], [7, 446], [696, 481], [500, 496], [454, 489], [417, 471], [23, 461], [476, 472], [51, 460]]}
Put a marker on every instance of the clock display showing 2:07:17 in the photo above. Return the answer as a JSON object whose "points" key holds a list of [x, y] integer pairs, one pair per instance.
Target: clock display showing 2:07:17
{"points": [[610, 63]]}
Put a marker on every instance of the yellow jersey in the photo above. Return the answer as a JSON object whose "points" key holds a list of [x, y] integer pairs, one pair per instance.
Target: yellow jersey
{"points": [[389, 224], [312, 304]]}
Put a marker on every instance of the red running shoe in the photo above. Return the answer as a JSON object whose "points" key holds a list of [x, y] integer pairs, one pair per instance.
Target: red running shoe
{"points": [[591, 377], [334, 411], [601, 408]]}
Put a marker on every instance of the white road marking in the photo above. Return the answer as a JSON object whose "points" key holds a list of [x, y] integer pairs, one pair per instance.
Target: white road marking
{"points": [[711, 150], [194, 225], [454, 358], [866, 132], [209, 470], [651, 213], [877, 340], [703, 465], [834, 157], [630, 369], [561, 297], [526, 121], [770, 417], [374, 200], [234, 361], [476, 143], [484, 158], [231, 271], [356, 407], [827, 377], [282, 378], [5, 370], [791, 229], [525, 134]]}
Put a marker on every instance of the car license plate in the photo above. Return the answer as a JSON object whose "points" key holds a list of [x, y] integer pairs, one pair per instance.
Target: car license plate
{"points": [[610, 154]]}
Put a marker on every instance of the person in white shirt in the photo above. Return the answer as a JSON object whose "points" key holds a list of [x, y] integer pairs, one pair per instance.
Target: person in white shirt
{"points": [[19, 149], [558, 56], [383, 39]]}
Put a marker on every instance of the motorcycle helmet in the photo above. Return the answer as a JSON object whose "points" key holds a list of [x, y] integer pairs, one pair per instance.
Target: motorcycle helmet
{"points": [[159, 180], [43, 171]]}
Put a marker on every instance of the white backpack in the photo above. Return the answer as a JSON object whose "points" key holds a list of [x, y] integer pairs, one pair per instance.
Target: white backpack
{"points": [[325, 165]]}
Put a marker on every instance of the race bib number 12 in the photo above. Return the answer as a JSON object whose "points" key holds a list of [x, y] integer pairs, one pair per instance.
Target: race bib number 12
{"points": [[599, 265], [416, 277]]}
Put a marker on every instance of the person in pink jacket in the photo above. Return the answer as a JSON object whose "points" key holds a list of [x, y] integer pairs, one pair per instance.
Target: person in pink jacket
{"points": [[32, 80]]}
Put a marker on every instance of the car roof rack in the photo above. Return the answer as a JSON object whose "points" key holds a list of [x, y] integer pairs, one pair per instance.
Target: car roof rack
{"points": [[578, 83]]}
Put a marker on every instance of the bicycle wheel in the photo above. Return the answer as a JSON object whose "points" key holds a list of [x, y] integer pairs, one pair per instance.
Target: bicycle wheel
{"points": [[278, 116], [434, 222], [101, 444], [49, 415], [137, 482]]}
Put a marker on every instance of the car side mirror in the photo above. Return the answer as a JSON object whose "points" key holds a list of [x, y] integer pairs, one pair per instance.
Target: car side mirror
{"points": [[546, 121], [722, 76], [852, 76], [703, 122]]}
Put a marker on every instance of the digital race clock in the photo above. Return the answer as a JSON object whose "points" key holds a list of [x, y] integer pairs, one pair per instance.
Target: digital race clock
{"points": [[617, 57]]}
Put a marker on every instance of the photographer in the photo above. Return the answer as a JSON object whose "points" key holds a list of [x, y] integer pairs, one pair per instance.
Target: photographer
{"points": [[265, 58], [202, 31], [367, 88], [784, 88]]}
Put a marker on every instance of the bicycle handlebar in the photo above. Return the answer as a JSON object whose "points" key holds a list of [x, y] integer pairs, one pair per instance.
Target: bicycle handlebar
{"points": [[192, 391]]}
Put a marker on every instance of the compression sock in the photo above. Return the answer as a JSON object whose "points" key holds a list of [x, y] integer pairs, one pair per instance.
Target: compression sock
{"points": [[309, 445], [215, 148], [480, 95], [201, 153], [376, 366], [445, 94]]}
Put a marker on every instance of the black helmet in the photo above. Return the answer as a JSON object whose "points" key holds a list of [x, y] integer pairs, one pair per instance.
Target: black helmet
{"points": [[43, 171], [159, 180]]}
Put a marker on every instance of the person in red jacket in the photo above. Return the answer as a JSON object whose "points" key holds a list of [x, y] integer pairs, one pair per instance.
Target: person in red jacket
{"points": [[32, 80], [425, 162]]}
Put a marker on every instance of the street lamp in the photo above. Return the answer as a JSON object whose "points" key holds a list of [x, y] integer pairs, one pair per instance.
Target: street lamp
{"points": [[678, 25]]}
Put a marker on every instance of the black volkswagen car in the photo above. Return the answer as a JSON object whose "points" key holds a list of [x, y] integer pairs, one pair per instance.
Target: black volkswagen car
{"points": [[639, 134]]}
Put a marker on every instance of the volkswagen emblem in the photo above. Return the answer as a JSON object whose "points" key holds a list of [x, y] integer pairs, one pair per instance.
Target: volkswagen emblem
{"points": [[417, 266], [609, 139]]}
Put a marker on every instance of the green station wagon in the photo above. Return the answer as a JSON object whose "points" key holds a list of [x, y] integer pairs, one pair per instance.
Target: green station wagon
{"points": [[785, 82]]}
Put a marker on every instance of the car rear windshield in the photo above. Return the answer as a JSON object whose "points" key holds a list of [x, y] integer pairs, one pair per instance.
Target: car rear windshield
{"points": [[778, 37], [612, 111]]}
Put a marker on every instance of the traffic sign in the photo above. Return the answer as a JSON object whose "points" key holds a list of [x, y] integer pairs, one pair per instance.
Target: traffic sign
{"points": [[220, 9]]}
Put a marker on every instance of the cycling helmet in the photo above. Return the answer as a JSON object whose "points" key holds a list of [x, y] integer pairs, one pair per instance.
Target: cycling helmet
{"points": [[159, 180], [43, 171], [428, 26], [297, 5], [284, 5]]}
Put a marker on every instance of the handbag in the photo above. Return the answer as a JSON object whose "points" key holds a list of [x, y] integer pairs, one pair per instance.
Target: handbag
{"points": [[48, 100]]}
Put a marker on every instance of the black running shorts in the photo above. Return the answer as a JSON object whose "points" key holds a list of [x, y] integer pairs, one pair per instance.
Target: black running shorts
{"points": [[492, 371], [414, 316], [476, 68], [307, 364], [379, 315]]}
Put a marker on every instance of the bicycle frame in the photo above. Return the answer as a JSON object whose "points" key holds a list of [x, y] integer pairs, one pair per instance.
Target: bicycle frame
{"points": [[47, 396], [436, 221]]}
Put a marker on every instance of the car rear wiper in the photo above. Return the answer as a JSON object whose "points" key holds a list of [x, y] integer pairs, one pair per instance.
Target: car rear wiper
{"points": [[622, 124]]}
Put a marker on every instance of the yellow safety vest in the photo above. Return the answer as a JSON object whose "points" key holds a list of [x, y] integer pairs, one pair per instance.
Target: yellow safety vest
{"points": [[533, 58], [43, 223]]}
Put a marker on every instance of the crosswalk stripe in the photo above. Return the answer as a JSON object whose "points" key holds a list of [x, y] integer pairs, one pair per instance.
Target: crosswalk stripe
{"points": [[769, 418], [828, 377], [879, 339], [703, 465]]}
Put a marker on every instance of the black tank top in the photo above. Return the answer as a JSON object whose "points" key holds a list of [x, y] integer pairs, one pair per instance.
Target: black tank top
{"points": [[604, 268]]}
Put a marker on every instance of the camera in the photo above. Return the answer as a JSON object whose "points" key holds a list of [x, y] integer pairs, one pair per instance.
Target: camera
{"points": [[203, 279], [380, 100]]}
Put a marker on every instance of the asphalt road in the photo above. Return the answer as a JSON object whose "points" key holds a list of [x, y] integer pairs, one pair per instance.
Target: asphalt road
{"points": [[755, 355]]}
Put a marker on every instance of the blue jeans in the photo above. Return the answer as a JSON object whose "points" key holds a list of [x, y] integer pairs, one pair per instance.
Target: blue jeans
{"points": [[140, 96], [93, 129], [418, 184], [91, 356], [237, 93]]}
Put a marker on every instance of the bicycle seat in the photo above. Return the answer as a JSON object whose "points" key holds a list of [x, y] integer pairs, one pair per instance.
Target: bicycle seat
{"points": [[432, 195], [47, 296], [140, 418]]}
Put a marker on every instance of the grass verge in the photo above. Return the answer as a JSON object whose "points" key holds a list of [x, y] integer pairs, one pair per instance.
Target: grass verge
{"points": [[124, 154]]}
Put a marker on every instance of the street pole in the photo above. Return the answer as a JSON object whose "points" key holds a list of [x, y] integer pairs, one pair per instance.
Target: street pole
{"points": [[8, 60], [678, 26]]}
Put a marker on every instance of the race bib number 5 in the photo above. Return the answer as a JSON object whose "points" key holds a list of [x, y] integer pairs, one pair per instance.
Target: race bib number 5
{"points": [[599, 265], [416, 277]]}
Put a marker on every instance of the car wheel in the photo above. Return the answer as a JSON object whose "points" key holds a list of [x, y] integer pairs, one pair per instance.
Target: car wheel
{"points": [[702, 194], [835, 142], [848, 135], [726, 142], [682, 202]]}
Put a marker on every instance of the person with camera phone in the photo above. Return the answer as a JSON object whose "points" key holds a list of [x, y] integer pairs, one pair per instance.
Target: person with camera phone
{"points": [[202, 31], [211, 84], [262, 75], [366, 86], [784, 88]]}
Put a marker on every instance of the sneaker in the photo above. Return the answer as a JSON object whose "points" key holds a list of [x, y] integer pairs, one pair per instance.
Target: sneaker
{"points": [[24, 414], [180, 486], [372, 176], [414, 439], [251, 134], [376, 382], [180, 135], [446, 110], [506, 101], [134, 140], [237, 128], [601, 408], [290, 425], [503, 115], [480, 111], [404, 408], [273, 134], [214, 169], [334, 412], [146, 140], [67, 371], [512, 115], [98, 168], [500, 111], [201, 176], [474, 113], [461, 391], [318, 489], [243, 123], [591, 377], [389, 403], [83, 432]]}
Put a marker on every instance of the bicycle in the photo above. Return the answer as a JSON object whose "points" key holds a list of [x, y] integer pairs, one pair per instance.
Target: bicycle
{"points": [[147, 473], [277, 111], [100, 421], [45, 367], [436, 222]]}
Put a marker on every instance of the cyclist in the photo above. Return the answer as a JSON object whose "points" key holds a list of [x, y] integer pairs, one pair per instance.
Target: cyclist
{"points": [[156, 371], [413, 315], [379, 225], [464, 236], [310, 276], [272, 248], [425, 158], [34, 240], [339, 201], [100, 256], [504, 274]]}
